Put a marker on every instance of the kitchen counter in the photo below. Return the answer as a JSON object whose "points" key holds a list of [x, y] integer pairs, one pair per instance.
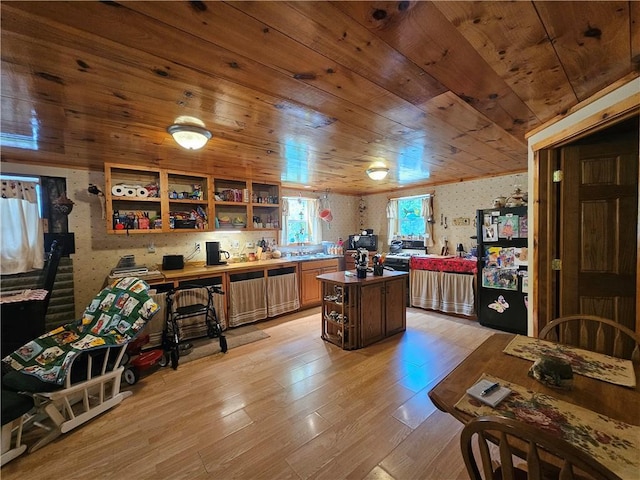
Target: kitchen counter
{"points": [[193, 270]]}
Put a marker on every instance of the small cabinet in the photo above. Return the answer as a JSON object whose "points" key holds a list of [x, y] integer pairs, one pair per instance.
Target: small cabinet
{"points": [[241, 204], [372, 313], [231, 204], [310, 288], [188, 202], [265, 206], [395, 311], [133, 200]]}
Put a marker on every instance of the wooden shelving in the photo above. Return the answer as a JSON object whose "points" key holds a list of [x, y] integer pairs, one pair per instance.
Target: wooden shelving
{"points": [[179, 201], [339, 315]]}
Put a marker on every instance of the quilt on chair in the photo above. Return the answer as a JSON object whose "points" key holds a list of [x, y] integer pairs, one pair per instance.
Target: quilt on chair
{"points": [[114, 317]]}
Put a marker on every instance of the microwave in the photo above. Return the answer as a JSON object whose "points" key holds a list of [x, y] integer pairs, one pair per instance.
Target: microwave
{"points": [[369, 242]]}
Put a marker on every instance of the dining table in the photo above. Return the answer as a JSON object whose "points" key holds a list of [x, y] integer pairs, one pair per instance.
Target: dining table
{"points": [[592, 410]]}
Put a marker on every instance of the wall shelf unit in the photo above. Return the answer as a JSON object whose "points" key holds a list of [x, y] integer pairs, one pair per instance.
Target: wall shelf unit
{"points": [[155, 200], [124, 198]]}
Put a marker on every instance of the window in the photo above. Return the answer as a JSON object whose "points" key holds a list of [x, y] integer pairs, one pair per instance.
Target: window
{"points": [[300, 222], [22, 241], [409, 218]]}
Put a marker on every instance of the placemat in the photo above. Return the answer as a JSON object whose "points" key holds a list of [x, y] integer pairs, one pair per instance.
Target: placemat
{"points": [[583, 362], [613, 443]]}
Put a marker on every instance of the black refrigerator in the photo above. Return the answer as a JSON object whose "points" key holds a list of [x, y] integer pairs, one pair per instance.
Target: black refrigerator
{"points": [[502, 269]]}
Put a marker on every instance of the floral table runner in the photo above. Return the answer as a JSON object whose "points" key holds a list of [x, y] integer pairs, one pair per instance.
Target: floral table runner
{"points": [[613, 443], [583, 362]]}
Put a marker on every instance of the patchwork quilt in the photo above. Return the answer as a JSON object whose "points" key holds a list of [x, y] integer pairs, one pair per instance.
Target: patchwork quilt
{"points": [[114, 317]]}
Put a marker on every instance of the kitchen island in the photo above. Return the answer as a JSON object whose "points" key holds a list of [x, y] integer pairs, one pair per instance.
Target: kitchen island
{"points": [[357, 312]]}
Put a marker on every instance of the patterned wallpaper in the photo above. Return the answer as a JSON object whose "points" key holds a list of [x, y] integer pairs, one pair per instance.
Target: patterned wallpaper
{"points": [[453, 201], [97, 253]]}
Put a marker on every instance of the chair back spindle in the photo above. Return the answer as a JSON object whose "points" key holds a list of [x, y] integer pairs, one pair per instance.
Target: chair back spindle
{"points": [[594, 333], [547, 455]]}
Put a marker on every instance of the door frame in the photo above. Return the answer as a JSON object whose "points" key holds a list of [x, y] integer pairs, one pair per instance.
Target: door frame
{"points": [[619, 102]]}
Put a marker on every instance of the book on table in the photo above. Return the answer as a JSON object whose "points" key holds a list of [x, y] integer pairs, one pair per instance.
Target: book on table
{"points": [[494, 394]]}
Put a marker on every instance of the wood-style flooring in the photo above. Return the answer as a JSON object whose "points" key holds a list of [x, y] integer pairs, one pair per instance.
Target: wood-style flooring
{"points": [[288, 407]]}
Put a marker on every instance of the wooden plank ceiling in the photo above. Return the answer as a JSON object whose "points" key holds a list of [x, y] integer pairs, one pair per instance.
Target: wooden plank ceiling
{"points": [[306, 93]]}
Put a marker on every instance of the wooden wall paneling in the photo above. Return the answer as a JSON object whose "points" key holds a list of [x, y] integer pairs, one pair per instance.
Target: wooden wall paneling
{"points": [[244, 134], [335, 36], [442, 52], [603, 27], [245, 36], [515, 45], [309, 93], [453, 110]]}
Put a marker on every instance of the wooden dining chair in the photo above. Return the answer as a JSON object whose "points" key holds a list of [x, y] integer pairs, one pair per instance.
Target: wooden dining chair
{"points": [[545, 456], [594, 333]]}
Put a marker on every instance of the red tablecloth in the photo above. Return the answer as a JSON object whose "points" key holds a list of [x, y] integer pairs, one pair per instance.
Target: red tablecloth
{"points": [[444, 264]]}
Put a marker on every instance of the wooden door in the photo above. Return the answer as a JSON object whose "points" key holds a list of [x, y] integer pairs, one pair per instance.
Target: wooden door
{"points": [[372, 313], [598, 226], [310, 288], [395, 310]]}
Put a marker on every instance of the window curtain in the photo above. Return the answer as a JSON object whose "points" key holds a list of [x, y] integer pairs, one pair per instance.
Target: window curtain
{"points": [[428, 226], [392, 218], [284, 234], [22, 237], [313, 214]]}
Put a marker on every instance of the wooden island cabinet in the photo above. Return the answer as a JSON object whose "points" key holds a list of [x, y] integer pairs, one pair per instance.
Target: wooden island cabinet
{"points": [[357, 312]]}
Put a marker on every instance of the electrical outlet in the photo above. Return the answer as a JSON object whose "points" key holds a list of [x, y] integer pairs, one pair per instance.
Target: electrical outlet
{"points": [[197, 246], [235, 244], [249, 245], [151, 248]]}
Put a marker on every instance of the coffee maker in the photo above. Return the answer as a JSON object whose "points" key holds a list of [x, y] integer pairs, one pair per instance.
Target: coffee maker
{"points": [[214, 254]]}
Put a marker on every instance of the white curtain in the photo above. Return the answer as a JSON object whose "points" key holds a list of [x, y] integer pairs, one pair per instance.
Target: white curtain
{"points": [[22, 237], [392, 218], [315, 227], [284, 234], [428, 226]]}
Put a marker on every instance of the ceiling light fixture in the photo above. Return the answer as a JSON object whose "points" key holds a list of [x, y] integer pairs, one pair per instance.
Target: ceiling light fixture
{"points": [[377, 171], [190, 137]]}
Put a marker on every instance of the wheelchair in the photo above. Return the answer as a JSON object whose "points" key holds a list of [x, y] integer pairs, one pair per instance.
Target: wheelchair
{"points": [[172, 343]]}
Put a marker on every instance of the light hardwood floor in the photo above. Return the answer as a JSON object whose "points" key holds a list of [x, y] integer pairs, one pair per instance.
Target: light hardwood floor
{"points": [[288, 407]]}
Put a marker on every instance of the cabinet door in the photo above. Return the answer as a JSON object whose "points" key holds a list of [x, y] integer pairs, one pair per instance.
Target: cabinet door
{"points": [[395, 306], [310, 287], [372, 313]]}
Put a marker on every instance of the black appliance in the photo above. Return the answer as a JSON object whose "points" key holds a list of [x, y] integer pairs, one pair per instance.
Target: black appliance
{"points": [[399, 257], [502, 269], [369, 242], [214, 254], [172, 262]]}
